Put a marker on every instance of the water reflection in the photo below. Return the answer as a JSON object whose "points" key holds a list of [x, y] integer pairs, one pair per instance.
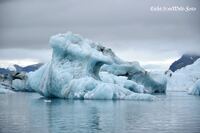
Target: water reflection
{"points": [[95, 119], [27, 112]]}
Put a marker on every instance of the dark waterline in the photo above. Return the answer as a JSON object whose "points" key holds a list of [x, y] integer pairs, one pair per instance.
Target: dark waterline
{"points": [[175, 112]]}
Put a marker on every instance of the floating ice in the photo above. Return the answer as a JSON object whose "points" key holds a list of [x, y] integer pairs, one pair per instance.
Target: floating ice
{"points": [[19, 85], [73, 72], [4, 89]]}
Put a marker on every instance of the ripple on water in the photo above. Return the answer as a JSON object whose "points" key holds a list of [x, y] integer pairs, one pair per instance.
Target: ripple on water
{"points": [[27, 112]]}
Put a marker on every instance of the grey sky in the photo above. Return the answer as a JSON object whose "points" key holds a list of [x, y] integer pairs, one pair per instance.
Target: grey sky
{"points": [[127, 26]]}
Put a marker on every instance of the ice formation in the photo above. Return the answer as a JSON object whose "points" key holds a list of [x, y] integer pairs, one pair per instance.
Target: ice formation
{"points": [[20, 85], [184, 78], [18, 81], [73, 72], [195, 89], [153, 83], [4, 89], [122, 81]]}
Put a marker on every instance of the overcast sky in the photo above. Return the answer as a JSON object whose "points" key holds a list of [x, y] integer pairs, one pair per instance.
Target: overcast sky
{"points": [[129, 27]]}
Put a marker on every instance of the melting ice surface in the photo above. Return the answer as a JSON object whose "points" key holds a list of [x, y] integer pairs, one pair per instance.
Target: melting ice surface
{"points": [[74, 72], [175, 112]]}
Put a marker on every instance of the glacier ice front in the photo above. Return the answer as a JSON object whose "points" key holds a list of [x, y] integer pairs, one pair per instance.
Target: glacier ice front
{"points": [[74, 72]]}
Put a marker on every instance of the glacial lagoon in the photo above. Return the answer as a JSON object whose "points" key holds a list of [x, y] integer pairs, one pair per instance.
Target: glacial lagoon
{"points": [[175, 112]]}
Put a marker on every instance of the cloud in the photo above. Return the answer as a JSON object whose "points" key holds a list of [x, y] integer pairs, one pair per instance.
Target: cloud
{"points": [[128, 27], [23, 62], [25, 54]]}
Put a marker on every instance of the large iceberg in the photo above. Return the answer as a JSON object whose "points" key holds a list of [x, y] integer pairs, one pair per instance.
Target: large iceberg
{"points": [[73, 72], [184, 78]]}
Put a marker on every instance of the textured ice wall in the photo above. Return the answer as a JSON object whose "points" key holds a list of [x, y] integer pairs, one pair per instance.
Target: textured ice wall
{"points": [[184, 78], [134, 72], [73, 72]]}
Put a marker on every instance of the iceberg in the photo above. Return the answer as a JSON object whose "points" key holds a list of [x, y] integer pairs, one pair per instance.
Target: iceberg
{"points": [[184, 78], [74, 72]]}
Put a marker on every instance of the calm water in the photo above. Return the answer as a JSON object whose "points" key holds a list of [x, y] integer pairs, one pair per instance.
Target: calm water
{"points": [[27, 113]]}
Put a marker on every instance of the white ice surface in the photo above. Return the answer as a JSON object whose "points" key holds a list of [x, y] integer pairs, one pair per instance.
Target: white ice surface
{"points": [[184, 78], [195, 89], [73, 72], [3, 90]]}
